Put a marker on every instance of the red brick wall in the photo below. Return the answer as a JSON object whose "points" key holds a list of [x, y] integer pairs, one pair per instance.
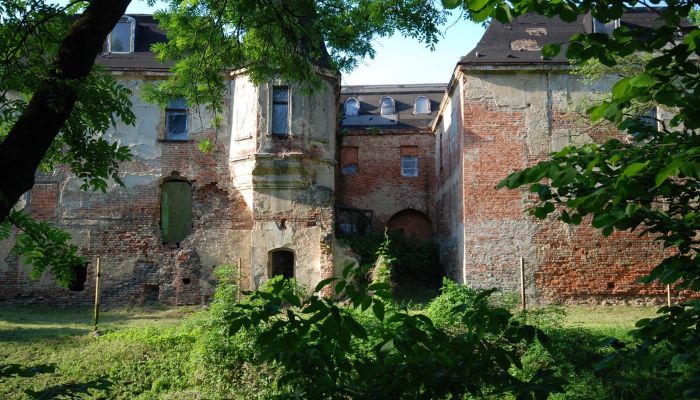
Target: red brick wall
{"points": [[563, 263], [43, 200], [378, 184]]}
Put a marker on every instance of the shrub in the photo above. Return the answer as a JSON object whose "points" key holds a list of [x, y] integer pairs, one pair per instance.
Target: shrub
{"points": [[369, 348]]}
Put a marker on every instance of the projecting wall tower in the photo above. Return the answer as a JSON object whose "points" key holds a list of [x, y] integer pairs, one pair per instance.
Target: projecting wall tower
{"points": [[282, 160]]}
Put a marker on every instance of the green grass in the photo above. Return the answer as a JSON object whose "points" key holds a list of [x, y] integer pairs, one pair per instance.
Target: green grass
{"points": [[146, 353], [51, 353]]}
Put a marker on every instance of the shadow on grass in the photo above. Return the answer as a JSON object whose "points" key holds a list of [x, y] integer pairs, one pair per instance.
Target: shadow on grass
{"points": [[71, 390], [37, 315], [11, 370], [25, 335]]}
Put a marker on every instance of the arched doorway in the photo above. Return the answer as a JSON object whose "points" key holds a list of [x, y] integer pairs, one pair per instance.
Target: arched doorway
{"points": [[281, 262], [412, 224]]}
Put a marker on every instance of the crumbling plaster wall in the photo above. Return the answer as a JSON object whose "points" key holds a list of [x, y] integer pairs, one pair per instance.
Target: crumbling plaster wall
{"points": [[449, 139], [512, 119], [122, 226], [288, 182]]}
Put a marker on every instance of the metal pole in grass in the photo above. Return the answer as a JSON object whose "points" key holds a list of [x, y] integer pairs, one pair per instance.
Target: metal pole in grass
{"points": [[522, 282], [668, 295], [96, 315]]}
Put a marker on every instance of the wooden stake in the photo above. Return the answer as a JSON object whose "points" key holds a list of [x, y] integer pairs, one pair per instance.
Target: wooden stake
{"points": [[238, 289], [522, 282], [96, 316], [668, 295]]}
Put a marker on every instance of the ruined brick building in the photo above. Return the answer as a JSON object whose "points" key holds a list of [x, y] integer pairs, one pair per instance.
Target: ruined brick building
{"points": [[286, 173]]}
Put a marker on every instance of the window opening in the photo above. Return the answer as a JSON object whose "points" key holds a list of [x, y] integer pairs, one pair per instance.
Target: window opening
{"points": [[422, 105], [80, 276], [605, 27], [176, 120], [121, 39], [282, 263], [280, 110], [352, 107], [409, 166], [175, 211], [150, 294], [387, 105], [348, 160]]}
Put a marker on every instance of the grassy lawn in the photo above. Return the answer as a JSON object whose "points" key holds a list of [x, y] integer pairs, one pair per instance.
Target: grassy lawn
{"points": [[143, 353], [51, 353]]}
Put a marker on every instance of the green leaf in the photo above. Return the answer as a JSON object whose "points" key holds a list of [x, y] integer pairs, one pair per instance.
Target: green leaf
{"points": [[386, 347], [324, 283], [670, 169], [551, 50], [378, 309], [451, 4], [634, 169]]}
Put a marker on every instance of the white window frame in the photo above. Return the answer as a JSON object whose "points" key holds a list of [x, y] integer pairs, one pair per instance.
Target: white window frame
{"points": [[272, 111], [381, 107], [348, 111], [172, 109], [132, 22], [415, 105], [407, 169]]}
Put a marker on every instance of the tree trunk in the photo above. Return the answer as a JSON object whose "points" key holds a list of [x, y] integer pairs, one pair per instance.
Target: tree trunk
{"points": [[47, 111]]}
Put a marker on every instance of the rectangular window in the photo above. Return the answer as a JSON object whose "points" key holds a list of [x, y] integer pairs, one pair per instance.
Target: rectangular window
{"points": [[348, 160], [121, 40], [176, 120], [409, 166], [280, 110]]}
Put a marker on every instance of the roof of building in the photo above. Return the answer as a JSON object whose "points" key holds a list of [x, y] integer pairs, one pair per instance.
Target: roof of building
{"points": [[521, 41], [404, 97], [146, 33]]}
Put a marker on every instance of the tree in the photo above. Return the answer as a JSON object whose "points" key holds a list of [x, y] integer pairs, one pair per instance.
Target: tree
{"points": [[650, 184], [49, 61]]}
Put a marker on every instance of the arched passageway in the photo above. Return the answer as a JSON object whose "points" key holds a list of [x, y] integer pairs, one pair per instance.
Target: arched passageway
{"points": [[413, 224]]}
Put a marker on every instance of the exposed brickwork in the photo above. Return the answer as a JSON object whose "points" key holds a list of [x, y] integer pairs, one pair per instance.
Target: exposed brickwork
{"points": [[563, 263], [44, 201], [378, 184]]}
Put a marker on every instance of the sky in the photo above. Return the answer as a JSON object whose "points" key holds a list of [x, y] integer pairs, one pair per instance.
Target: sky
{"points": [[398, 59]]}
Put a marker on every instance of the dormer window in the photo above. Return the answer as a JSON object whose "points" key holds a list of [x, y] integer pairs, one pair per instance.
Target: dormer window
{"points": [[605, 27], [387, 106], [352, 107], [422, 105], [121, 39]]}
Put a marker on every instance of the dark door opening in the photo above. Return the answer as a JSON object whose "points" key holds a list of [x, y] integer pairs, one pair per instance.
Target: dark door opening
{"points": [[282, 263]]}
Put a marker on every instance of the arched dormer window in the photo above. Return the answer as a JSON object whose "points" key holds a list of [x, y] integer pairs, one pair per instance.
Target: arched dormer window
{"points": [[387, 105], [121, 39], [422, 105], [352, 107]]}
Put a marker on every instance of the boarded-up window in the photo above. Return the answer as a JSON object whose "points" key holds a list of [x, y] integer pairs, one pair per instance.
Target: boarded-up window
{"points": [[175, 211], [282, 263], [348, 160], [280, 110]]}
